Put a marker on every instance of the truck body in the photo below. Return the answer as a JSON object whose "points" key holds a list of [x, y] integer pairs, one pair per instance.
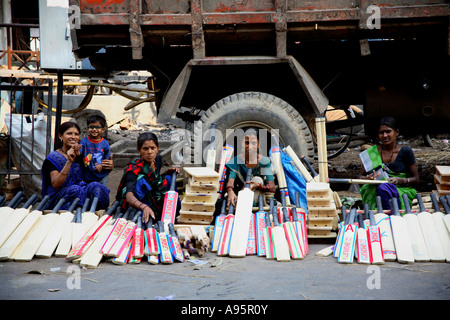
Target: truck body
{"points": [[391, 57]]}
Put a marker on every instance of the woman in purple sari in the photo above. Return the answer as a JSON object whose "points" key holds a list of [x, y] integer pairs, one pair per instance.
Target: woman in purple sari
{"points": [[62, 172]]}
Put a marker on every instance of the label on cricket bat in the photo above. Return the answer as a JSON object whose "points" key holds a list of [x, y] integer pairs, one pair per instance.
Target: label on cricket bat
{"points": [[363, 247], [166, 256], [170, 203], [251, 242], [260, 239], [347, 250], [138, 244], [123, 240], [112, 238]]}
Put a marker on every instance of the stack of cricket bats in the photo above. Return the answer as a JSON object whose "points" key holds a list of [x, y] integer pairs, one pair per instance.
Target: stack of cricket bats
{"points": [[198, 204], [321, 209], [442, 180]]}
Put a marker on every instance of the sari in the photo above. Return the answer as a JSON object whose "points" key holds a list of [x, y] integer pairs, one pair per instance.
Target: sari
{"points": [[150, 186], [386, 191], [74, 186]]}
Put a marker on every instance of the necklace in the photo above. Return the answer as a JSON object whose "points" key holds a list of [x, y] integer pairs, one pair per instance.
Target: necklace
{"points": [[392, 154]]}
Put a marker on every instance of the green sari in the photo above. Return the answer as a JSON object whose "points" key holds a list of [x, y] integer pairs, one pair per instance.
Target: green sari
{"points": [[369, 192]]}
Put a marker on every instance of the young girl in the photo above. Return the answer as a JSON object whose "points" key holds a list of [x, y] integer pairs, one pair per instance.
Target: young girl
{"points": [[62, 172], [142, 186]]}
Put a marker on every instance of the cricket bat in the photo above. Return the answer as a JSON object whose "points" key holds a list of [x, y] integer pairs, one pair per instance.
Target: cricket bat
{"points": [[300, 166], [88, 238], [77, 227], [218, 225], [244, 205], [442, 232], [92, 257], [11, 244], [278, 166], [270, 247], [300, 224], [65, 244], [430, 233], [251, 240], [124, 256], [223, 247], [347, 247], [374, 239], [151, 239], [15, 218], [418, 245], [337, 245], [447, 216], [138, 240], [382, 221], [170, 203], [52, 239], [290, 234], [175, 246], [400, 234], [124, 238], [88, 217], [165, 255], [7, 210], [362, 244], [227, 153], [260, 217], [279, 240], [211, 155], [117, 228]]}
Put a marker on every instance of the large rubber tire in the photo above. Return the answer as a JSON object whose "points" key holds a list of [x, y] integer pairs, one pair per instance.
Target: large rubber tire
{"points": [[260, 110]]}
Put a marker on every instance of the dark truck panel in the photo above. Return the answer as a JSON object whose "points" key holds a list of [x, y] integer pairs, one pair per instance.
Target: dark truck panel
{"points": [[400, 69]]}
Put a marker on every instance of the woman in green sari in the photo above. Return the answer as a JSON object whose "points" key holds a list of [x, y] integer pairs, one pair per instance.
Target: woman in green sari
{"points": [[393, 163]]}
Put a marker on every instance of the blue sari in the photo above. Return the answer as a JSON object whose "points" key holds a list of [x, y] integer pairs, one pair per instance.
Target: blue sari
{"points": [[74, 186]]}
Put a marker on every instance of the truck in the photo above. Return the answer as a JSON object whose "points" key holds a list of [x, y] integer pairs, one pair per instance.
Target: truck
{"points": [[277, 64]]}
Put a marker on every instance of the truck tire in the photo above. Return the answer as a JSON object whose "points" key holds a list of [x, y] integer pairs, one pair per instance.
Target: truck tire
{"points": [[259, 110]]}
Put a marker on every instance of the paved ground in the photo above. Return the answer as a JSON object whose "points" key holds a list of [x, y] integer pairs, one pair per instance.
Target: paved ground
{"points": [[250, 278]]}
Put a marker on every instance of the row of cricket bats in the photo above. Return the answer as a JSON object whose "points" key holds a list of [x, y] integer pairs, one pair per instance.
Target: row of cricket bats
{"points": [[378, 237]]}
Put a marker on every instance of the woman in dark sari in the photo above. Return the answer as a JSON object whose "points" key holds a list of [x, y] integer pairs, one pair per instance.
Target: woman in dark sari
{"points": [[142, 186], [62, 172]]}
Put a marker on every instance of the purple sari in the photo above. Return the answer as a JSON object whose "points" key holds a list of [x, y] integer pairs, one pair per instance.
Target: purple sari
{"points": [[74, 186]]}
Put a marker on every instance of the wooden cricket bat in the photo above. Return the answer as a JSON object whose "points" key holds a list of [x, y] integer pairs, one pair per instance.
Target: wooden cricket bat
{"points": [[382, 221], [15, 218], [244, 205], [223, 247], [347, 247], [300, 166], [117, 228], [401, 235], [447, 216], [163, 240], [87, 239], [279, 240], [300, 224], [88, 217], [92, 257], [290, 234], [430, 233], [251, 240], [126, 234], [65, 244], [7, 210], [362, 244], [170, 203], [15, 240], [278, 166], [418, 245], [138, 240], [124, 254], [374, 239], [151, 239], [77, 227], [48, 246], [270, 246], [211, 155], [260, 217], [337, 245], [227, 153], [175, 245], [442, 232], [218, 225]]}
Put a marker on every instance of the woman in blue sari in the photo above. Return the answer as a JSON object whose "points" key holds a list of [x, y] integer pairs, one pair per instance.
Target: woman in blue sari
{"points": [[62, 172]]}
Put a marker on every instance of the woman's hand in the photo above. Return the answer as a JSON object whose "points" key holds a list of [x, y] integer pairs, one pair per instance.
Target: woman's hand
{"points": [[172, 169], [108, 164], [146, 213], [232, 198], [372, 176], [396, 180], [73, 152]]}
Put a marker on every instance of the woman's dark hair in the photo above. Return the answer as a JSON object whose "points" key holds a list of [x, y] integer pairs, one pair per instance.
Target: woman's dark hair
{"points": [[146, 136], [63, 127], [389, 122]]}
